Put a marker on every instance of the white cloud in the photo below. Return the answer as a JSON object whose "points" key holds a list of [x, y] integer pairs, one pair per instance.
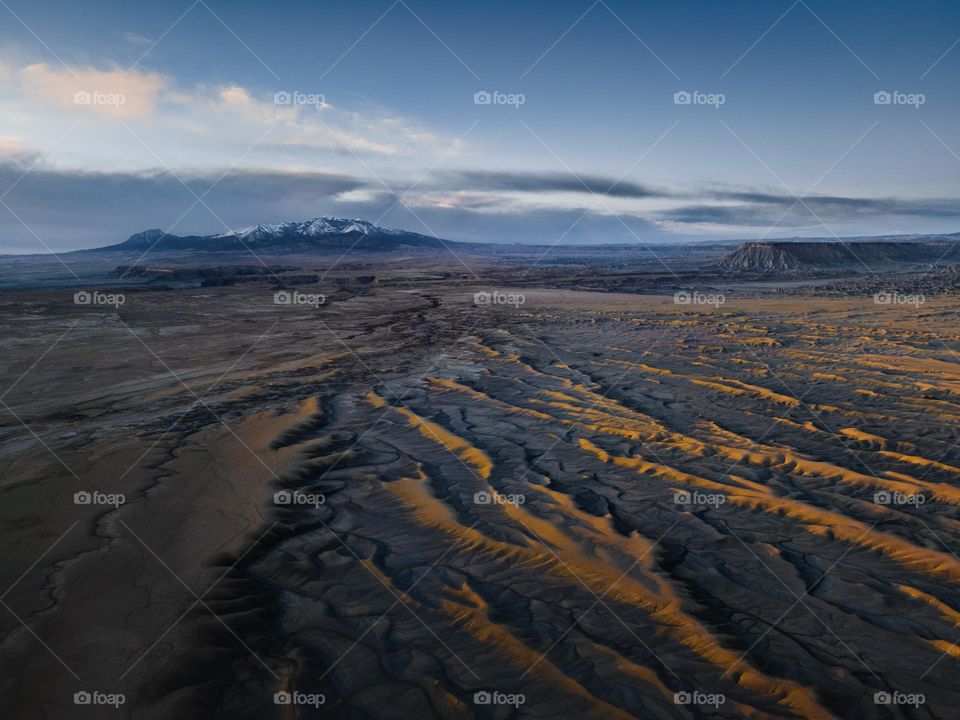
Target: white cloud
{"points": [[11, 145], [200, 126], [236, 96], [137, 39], [113, 93]]}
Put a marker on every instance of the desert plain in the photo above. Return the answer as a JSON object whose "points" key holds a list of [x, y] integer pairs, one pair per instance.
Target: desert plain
{"points": [[431, 495]]}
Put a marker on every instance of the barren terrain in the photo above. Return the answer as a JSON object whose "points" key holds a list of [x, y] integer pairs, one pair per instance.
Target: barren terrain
{"points": [[594, 504]]}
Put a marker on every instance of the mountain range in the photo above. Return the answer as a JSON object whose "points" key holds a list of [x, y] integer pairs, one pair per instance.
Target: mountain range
{"points": [[322, 233]]}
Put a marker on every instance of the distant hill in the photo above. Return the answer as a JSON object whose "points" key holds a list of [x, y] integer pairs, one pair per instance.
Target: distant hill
{"points": [[323, 233], [791, 256]]}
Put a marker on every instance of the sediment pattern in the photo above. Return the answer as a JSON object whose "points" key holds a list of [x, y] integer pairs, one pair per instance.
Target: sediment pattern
{"points": [[797, 594], [601, 508]]}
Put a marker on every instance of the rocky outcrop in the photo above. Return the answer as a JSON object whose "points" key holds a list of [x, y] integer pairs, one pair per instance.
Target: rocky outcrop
{"points": [[780, 257]]}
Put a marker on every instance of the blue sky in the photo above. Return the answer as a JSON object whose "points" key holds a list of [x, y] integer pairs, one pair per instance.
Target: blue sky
{"points": [[119, 116]]}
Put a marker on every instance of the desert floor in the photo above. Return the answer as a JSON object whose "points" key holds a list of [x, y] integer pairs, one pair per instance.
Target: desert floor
{"points": [[592, 503]]}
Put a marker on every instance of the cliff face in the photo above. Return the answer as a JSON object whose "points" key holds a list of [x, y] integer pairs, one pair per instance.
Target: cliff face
{"points": [[771, 257]]}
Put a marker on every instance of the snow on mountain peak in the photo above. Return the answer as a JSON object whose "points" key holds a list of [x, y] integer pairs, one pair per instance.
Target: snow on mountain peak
{"points": [[309, 228]]}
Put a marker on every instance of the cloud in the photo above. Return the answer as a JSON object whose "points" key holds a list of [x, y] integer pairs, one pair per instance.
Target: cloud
{"points": [[196, 124], [551, 182], [11, 146], [236, 96], [724, 216], [137, 40], [72, 210], [785, 211], [466, 200], [112, 93]]}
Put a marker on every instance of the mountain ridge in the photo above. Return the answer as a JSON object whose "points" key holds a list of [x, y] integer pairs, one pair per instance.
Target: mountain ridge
{"points": [[320, 233]]}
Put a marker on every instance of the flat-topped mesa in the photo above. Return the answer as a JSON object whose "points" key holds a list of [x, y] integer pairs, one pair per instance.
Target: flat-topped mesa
{"points": [[790, 257]]}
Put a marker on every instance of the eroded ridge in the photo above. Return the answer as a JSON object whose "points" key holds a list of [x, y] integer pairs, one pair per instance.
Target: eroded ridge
{"points": [[594, 510], [604, 510]]}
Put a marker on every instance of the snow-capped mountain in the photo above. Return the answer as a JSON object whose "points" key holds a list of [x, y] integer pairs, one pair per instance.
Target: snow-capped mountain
{"points": [[317, 227], [322, 233]]}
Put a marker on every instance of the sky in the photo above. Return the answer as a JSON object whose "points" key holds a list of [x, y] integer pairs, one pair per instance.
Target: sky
{"points": [[555, 121]]}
